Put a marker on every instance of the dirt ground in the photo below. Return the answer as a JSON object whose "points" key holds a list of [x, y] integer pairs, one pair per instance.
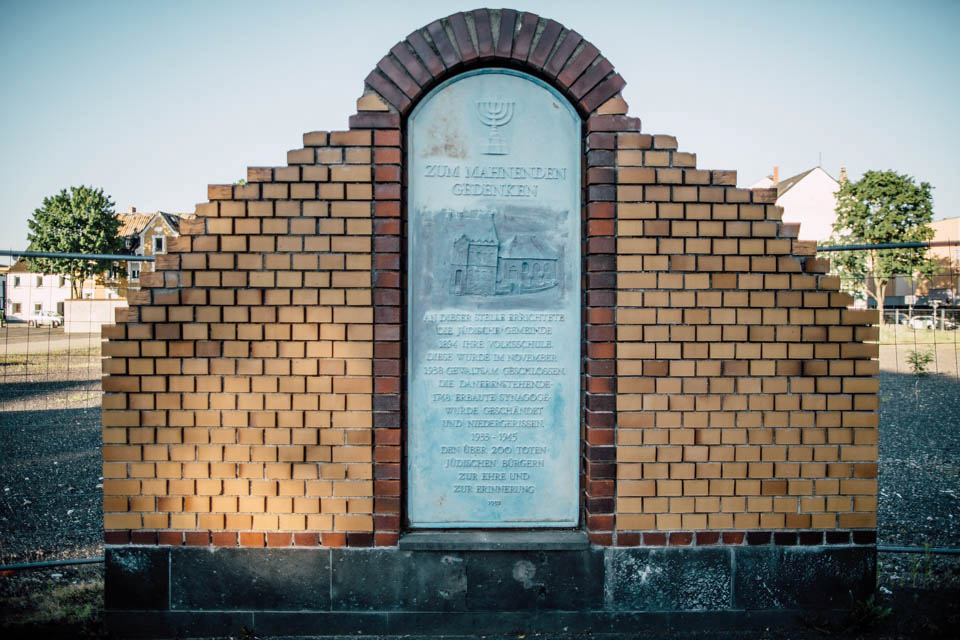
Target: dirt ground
{"points": [[51, 498], [18, 338]]}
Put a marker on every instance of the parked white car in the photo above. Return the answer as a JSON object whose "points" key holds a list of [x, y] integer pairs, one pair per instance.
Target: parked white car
{"points": [[44, 319], [922, 322]]}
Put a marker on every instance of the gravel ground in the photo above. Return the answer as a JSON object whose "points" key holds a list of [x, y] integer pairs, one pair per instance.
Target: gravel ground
{"points": [[51, 498], [919, 460], [919, 502], [51, 493], [51, 505]]}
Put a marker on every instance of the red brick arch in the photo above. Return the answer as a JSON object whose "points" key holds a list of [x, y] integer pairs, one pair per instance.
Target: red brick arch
{"points": [[494, 38], [545, 49]]}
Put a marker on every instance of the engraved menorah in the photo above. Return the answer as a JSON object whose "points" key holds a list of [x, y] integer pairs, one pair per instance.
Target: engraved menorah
{"points": [[495, 113]]}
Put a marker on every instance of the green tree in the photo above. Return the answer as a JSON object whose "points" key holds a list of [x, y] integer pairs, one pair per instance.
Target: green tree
{"points": [[883, 207], [81, 220]]}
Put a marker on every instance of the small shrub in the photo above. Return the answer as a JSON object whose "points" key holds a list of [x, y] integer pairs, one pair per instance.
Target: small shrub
{"points": [[866, 615], [919, 361]]}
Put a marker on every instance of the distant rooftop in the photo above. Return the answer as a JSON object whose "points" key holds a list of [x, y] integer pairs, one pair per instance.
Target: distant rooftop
{"points": [[134, 223], [786, 184]]}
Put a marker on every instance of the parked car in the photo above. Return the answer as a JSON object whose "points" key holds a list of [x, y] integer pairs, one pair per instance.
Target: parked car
{"points": [[932, 322], [44, 318]]}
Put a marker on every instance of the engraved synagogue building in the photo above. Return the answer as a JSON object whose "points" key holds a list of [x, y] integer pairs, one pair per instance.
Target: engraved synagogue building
{"points": [[484, 266]]}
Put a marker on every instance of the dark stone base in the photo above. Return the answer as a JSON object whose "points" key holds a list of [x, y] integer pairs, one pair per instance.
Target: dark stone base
{"points": [[183, 592], [548, 540]]}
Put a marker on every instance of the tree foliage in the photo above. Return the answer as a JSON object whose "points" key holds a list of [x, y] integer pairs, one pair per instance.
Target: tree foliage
{"points": [[81, 220], [883, 207]]}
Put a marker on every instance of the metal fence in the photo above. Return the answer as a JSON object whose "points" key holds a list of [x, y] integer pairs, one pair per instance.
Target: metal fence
{"points": [[51, 489], [51, 492], [920, 341], [50, 343], [919, 332]]}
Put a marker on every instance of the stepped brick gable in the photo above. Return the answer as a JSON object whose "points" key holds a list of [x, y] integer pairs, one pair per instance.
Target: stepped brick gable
{"points": [[254, 390]]}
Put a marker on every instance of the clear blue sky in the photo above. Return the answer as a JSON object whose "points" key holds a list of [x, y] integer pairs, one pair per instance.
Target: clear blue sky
{"points": [[154, 100]]}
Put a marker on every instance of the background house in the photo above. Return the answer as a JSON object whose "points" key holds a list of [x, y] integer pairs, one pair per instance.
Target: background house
{"points": [[29, 292], [144, 234], [945, 286], [809, 198], [3, 287], [147, 234]]}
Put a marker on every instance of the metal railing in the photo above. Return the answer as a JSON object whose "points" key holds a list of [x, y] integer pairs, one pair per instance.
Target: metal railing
{"points": [[51, 489], [50, 399]]}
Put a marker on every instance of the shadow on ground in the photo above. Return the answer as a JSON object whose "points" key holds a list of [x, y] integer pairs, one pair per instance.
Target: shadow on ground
{"points": [[59, 451]]}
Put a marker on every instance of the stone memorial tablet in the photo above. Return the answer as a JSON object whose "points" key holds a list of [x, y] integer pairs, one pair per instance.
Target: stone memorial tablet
{"points": [[494, 305]]}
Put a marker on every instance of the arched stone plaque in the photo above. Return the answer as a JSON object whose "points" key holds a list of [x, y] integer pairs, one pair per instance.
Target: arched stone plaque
{"points": [[494, 304]]}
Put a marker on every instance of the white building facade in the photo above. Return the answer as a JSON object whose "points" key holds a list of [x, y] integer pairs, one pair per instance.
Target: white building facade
{"points": [[29, 293], [809, 198]]}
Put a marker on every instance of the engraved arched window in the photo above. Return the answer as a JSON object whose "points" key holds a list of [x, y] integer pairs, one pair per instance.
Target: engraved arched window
{"points": [[493, 155]]}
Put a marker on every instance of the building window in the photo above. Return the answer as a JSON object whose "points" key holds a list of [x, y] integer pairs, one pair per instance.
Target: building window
{"points": [[38, 307], [16, 281], [158, 244], [17, 308], [39, 281], [134, 270], [60, 308], [63, 281]]}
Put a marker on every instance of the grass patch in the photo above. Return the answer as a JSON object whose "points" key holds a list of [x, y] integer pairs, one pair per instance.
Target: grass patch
{"points": [[54, 362], [54, 607]]}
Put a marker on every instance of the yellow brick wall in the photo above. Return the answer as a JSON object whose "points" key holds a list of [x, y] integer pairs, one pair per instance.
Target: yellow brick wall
{"points": [[243, 386], [238, 390], [746, 396]]}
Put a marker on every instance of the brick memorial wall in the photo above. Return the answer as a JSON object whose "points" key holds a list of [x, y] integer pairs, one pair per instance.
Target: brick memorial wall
{"points": [[255, 389]]}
